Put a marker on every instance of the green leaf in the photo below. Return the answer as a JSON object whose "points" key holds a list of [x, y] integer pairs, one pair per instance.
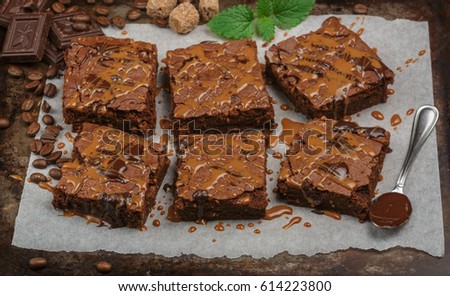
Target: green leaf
{"points": [[264, 8], [234, 23], [290, 13], [266, 28]]}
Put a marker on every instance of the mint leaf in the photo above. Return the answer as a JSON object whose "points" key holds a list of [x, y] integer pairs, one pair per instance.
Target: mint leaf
{"points": [[233, 23], [266, 28], [290, 13], [264, 8]]}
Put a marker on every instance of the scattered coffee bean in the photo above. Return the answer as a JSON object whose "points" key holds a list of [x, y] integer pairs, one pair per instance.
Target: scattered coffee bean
{"points": [[101, 10], [27, 117], [47, 138], [81, 18], [140, 4], [90, 1], [40, 163], [38, 178], [52, 71], [60, 162], [80, 27], [46, 107], [73, 8], [118, 22], [33, 129], [48, 119], [58, 7], [4, 122], [360, 9], [104, 267], [27, 105], [35, 146], [39, 89], [108, 2], [103, 21], [160, 22], [55, 173], [54, 156], [15, 71], [47, 149], [53, 130], [65, 2], [37, 262], [35, 75], [134, 14], [50, 90], [31, 86]]}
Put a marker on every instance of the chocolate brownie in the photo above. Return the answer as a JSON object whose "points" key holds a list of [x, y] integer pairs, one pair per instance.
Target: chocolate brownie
{"points": [[330, 72], [218, 86], [221, 177], [334, 165], [109, 81], [114, 176]]}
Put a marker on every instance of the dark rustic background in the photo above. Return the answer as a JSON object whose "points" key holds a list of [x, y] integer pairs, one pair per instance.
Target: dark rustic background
{"points": [[14, 152]]}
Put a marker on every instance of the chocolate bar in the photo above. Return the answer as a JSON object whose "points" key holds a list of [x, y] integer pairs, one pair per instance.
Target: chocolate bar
{"points": [[23, 6]]}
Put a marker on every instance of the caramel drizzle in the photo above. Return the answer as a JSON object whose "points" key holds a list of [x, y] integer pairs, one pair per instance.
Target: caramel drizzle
{"points": [[216, 80]]}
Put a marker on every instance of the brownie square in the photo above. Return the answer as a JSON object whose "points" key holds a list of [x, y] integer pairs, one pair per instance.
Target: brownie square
{"points": [[221, 177], [110, 82], [334, 165], [114, 177], [218, 87], [330, 72]]}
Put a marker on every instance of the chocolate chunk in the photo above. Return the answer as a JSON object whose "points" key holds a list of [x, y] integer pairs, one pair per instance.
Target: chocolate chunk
{"points": [[39, 89], [48, 119], [102, 21], [38, 178], [27, 105], [134, 14], [37, 262], [15, 71], [50, 90], [35, 75], [4, 122], [15, 6], [47, 149], [118, 22], [55, 173], [101, 10], [40, 163], [35, 146], [52, 54], [46, 107], [25, 38]]}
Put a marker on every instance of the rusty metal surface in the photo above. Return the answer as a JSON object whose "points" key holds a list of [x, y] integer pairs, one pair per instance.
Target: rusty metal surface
{"points": [[14, 152]]}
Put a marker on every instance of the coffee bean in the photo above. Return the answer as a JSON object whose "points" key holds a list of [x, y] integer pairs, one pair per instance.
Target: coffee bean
{"points": [[52, 71], [65, 2], [160, 22], [73, 8], [37, 263], [118, 21], [58, 7], [104, 267], [27, 105], [53, 130], [50, 90], [48, 119], [55, 173], [90, 1], [15, 71], [102, 21], [60, 162], [38, 178], [47, 138], [4, 122], [27, 117], [54, 156], [360, 9], [35, 146], [140, 4], [47, 149], [31, 86], [39, 89], [81, 18], [134, 14], [80, 27], [33, 129], [35, 75], [46, 107], [108, 2], [40, 163], [101, 10]]}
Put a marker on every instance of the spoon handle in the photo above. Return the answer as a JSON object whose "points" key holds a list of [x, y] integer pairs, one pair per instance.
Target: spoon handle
{"points": [[424, 122]]}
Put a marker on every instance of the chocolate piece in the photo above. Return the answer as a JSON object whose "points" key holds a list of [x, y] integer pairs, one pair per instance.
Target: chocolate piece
{"points": [[53, 55], [221, 177], [62, 32], [120, 176], [98, 90], [334, 166], [11, 7], [218, 86], [330, 72], [25, 38]]}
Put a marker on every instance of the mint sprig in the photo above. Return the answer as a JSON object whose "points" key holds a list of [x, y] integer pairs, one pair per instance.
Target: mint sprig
{"points": [[238, 21]]}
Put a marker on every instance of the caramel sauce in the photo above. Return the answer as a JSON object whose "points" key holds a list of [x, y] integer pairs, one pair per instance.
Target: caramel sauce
{"points": [[352, 25], [240, 226], [290, 128], [162, 213], [396, 120], [219, 227], [192, 229], [422, 52], [156, 223], [124, 33], [278, 211], [274, 141], [201, 222], [250, 225], [334, 215], [213, 240], [172, 215], [284, 107], [61, 145], [69, 137], [265, 44], [292, 222], [16, 177], [410, 112], [89, 219], [65, 152], [160, 208], [360, 31], [307, 224], [165, 123], [390, 91], [377, 115], [399, 69], [269, 172], [45, 186], [380, 178], [257, 231], [285, 34], [277, 155], [375, 50]]}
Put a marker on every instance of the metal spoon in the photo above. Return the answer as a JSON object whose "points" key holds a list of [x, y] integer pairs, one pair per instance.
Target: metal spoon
{"points": [[392, 209]]}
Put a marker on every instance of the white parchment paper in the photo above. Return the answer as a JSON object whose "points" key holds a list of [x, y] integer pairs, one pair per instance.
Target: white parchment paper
{"points": [[39, 226]]}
